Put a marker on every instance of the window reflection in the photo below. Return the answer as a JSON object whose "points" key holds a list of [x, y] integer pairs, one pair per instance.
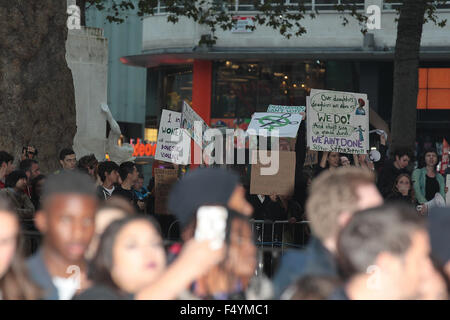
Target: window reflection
{"points": [[177, 87], [242, 88]]}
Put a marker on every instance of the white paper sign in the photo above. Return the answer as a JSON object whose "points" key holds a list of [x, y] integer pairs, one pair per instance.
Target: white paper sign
{"points": [[189, 117], [284, 109], [338, 122], [265, 124], [174, 145]]}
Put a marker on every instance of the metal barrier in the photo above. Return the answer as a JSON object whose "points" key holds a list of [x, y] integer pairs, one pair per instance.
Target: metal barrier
{"points": [[272, 238]]}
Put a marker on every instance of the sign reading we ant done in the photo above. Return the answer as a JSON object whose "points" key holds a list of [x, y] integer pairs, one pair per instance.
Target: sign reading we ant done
{"points": [[338, 122]]}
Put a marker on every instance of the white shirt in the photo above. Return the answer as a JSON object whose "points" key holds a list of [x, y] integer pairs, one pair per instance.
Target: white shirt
{"points": [[67, 287]]}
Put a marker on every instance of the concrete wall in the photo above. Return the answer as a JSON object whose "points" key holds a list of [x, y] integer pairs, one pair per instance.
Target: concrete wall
{"points": [[126, 85], [325, 30], [87, 57]]}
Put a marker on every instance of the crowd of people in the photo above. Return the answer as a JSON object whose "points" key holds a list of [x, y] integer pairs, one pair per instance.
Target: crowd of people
{"points": [[373, 231]]}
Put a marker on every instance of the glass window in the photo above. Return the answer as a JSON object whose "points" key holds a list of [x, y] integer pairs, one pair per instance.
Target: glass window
{"points": [[177, 87], [242, 88]]}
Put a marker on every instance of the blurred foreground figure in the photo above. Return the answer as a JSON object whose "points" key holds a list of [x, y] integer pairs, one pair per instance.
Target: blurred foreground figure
{"points": [[384, 255], [67, 223], [334, 197], [14, 280]]}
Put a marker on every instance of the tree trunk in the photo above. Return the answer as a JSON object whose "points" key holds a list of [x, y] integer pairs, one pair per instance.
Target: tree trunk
{"points": [[37, 98], [407, 50]]}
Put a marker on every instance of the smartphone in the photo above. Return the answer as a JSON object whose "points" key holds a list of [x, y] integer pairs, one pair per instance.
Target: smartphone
{"points": [[211, 225]]}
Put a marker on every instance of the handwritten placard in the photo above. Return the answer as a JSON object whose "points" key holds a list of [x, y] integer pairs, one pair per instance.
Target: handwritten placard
{"points": [[188, 118], [173, 143], [164, 179], [338, 122]]}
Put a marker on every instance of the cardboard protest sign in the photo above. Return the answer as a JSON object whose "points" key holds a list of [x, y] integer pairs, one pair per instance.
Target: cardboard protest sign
{"points": [[312, 158], [338, 122], [173, 145], [286, 109], [188, 118], [265, 124], [164, 179], [281, 183]]}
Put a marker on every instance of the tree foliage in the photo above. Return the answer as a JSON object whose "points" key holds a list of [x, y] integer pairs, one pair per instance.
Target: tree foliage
{"points": [[284, 16]]}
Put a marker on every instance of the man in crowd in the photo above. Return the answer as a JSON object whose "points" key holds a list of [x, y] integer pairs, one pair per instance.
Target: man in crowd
{"points": [[28, 152], [109, 175], [392, 169], [67, 222], [32, 170], [129, 175], [438, 227], [334, 196], [383, 254], [6, 166], [67, 159]]}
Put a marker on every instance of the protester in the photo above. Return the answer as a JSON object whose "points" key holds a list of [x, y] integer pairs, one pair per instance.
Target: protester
{"points": [[6, 166], [427, 181], [108, 172], [329, 161], [334, 196], [393, 169], [15, 283], [67, 159], [36, 191], [16, 182], [32, 170], [113, 209], [345, 162], [89, 164], [141, 192], [383, 254], [29, 153], [129, 175], [438, 228], [67, 223], [403, 190]]}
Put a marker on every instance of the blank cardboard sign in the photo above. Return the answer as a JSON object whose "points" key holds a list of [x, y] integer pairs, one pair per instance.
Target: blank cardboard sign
{"points": [[281, 183], [164, 179]]}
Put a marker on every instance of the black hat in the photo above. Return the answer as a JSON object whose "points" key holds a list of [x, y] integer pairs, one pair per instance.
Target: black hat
{"points": [[203, 186], [439, 229]]}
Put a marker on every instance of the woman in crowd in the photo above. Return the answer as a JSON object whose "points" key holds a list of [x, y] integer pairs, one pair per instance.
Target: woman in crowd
{"points": [[329, 161], [130, 263], [427, 181], [115, 208], [36, 190], [14, 281], [89, 164], [403, 190]]}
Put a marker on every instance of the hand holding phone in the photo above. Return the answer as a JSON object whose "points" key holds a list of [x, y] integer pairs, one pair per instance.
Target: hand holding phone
{"points": [[211, 225]]}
